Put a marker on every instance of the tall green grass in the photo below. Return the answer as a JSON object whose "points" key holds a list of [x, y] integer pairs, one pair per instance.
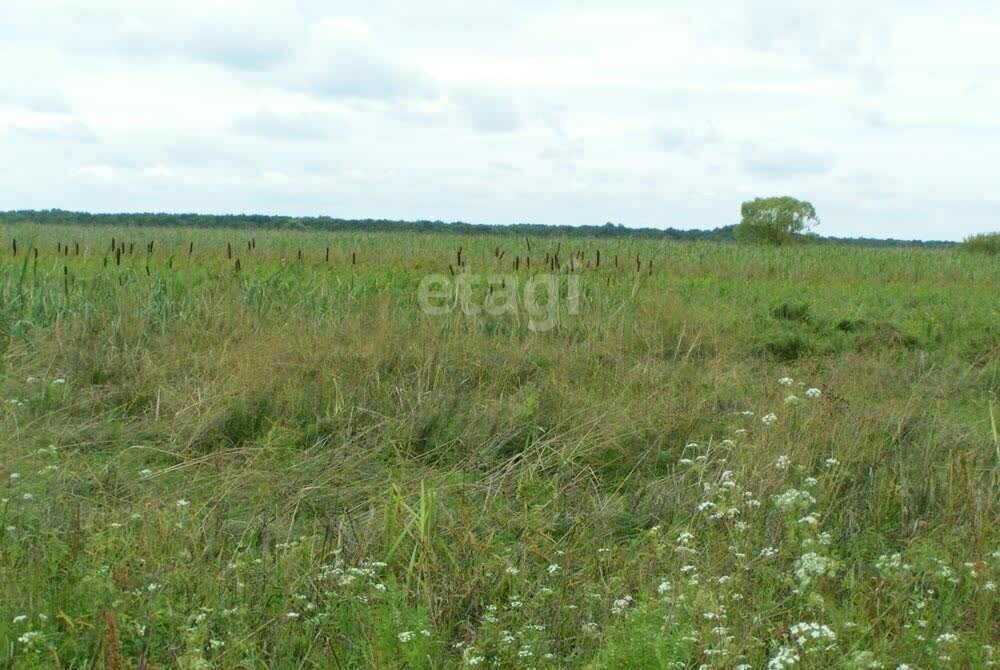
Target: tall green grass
{"points": [[293, 466]]}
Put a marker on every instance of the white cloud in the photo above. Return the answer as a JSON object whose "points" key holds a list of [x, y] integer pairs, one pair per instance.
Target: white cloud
{"points": [[658, 114], [342, 57], [269, 124], [98, 172]]}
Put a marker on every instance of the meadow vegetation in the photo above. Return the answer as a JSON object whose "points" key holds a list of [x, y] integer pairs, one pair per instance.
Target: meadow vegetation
{"points": [[734, 457], [984, 243]]}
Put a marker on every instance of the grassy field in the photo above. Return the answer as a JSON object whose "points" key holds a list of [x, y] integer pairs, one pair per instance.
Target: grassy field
{"points": [[734, 457]]}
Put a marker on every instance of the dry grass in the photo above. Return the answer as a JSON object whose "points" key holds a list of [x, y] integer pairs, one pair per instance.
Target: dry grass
{"points": [[293, 466]]}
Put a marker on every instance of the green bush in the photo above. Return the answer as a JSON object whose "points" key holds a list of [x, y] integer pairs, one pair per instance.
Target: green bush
{"points": [[983, 243]]}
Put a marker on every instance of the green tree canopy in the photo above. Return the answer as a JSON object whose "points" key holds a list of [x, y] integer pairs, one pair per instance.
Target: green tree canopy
{"points": [[775, 220]]}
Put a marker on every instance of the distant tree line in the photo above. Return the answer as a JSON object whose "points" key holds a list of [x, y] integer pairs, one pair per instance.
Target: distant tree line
{"points": [[330, 224]]}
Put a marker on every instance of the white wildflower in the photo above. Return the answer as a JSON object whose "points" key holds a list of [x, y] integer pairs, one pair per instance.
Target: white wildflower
{"points": [[811, 566], [785, 658], [31, 639], [621, 604], [794, 499]]}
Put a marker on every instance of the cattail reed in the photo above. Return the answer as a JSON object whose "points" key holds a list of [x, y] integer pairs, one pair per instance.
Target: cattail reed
{"points": [[118, 256], [191, 248], [113, 659], [131, 248], [238, 267], [354, 258], [598, 264], [229, 251], [76, 248], [14, 243], [66, 281], [300, 254], [328, 254]]}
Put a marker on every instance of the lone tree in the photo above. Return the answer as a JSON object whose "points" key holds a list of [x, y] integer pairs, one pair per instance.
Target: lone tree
{"points": [[775, 220]]}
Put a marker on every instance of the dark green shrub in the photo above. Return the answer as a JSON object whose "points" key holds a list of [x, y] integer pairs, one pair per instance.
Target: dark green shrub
{"points": [[792, 311]]}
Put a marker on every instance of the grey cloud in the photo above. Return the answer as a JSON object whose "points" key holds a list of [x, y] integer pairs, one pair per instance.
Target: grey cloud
{"points": [[344, 59], [767, 161], [685, 140], [488, 112], [873, 118], [36, 99], [72, 131], [257, 36], [33, 88], [851, 37], [244, 41], [268, 124]]}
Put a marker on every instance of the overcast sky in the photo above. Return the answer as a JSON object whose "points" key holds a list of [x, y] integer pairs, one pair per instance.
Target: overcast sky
{"points": [[884, 115]]}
